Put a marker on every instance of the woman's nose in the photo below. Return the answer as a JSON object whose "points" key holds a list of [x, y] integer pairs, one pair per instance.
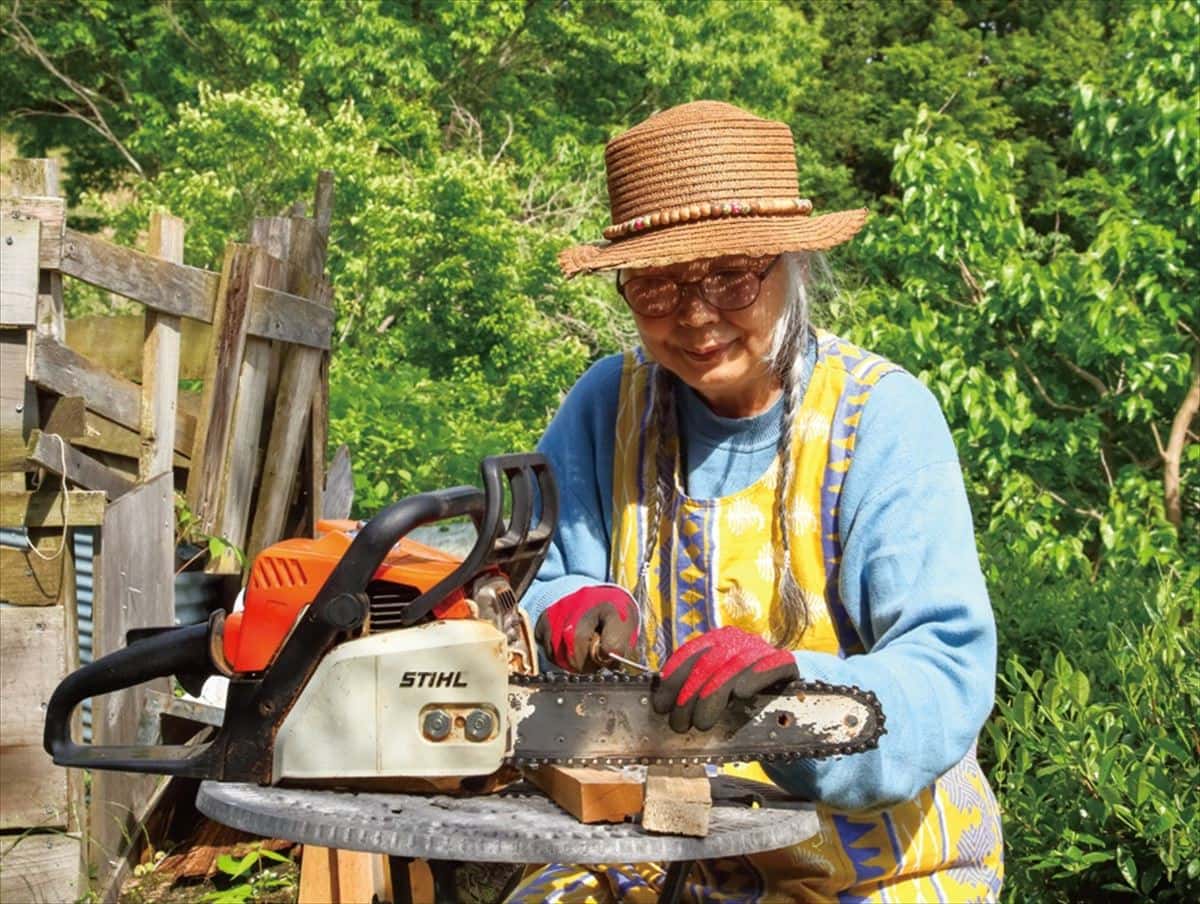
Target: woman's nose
{"points": [[693, 310]]}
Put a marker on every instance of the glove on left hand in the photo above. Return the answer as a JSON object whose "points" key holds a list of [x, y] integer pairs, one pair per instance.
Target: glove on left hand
{"points": [[700, 677]]}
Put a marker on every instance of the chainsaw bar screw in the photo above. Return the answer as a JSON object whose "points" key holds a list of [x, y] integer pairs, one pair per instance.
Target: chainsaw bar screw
{"points": [[479, 725], [436, 726]]}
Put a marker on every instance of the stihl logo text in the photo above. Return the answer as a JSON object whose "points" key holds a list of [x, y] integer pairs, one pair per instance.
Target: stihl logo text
{"points": [[432, 679]]}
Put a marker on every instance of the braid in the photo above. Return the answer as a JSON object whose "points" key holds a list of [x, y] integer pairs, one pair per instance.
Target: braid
{"points": [[663, 427], [790, 618]]}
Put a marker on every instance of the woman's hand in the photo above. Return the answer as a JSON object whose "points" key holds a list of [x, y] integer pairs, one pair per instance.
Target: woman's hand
{"points": [[605, 611], [701, 676]]}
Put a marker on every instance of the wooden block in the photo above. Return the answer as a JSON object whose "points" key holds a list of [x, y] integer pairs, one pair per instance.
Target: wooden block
{"points": [[329, 876], [160, 284], [18, 270], [40, 868], [590, 795], [66, 416], [27, 579], [47, 508], [105, 436], [678, 801]]}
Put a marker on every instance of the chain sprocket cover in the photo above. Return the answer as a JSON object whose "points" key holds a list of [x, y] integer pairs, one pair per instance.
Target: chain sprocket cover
{"points": [[606, 719]]}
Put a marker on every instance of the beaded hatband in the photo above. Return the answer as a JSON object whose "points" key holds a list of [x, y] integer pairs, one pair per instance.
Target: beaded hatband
{"points": [[687, 213]]}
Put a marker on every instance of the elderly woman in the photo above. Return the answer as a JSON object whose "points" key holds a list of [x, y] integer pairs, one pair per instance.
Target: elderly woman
{"points": [[747, 498]]}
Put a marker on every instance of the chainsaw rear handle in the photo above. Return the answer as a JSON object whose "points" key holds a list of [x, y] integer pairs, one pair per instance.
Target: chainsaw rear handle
{"points": [[170, 652]]}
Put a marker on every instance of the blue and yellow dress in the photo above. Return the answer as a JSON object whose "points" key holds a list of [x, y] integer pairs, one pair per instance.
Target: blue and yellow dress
{"points": [[716, 563]]}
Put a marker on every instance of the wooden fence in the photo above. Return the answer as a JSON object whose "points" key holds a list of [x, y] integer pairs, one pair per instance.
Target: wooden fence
{"points": [[95, 433]]}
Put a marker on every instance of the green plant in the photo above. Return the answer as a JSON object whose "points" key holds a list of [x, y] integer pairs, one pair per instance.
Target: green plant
{"points": [[188, 531], [250, 876], [1095, 752]]}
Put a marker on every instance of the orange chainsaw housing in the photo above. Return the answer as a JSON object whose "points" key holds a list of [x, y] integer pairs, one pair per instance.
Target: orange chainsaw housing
{"points": [[286, 577]]}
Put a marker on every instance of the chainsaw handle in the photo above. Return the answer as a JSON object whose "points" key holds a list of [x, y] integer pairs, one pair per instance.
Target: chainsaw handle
{"points": [[377, 537], [174, 651]]}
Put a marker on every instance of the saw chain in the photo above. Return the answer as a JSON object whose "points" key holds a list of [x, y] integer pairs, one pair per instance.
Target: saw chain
{"points": [[606, 719]]}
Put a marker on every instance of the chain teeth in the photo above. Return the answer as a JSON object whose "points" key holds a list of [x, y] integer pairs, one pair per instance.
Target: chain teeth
{"points": [[559, 681]]}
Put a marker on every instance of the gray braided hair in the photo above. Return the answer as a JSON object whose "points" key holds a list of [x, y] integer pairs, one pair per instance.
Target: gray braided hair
{"points": [[786, 359]]}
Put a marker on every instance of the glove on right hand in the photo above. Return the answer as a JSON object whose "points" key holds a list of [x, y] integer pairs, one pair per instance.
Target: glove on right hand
{"points": [[565, 630]]}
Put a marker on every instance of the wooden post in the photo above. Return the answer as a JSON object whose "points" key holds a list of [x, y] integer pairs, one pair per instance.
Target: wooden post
{"points": [[160, 361], [39, 177]]}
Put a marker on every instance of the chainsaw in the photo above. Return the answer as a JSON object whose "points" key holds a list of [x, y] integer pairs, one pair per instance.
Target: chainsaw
{"points": [[363, 659]]}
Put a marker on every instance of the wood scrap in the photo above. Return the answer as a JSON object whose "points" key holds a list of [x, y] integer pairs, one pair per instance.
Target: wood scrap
{"points": [[590, 795], [678, 801], [198, 860]]}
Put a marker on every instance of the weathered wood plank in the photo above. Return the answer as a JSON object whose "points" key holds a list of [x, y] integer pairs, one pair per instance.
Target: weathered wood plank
{"points": [[115, 343], [591, 795], [279, 315], [215, 425], [293, 406], [165, 286], [32, 662], [33, 176], [18, 406], [41, 869], [160, 362], [18, 270], [55, 454], [64, 371], [102, 435], [65, 415], [27, 579], [45, 508], [339, 486], [134, 591], [51, 213]]}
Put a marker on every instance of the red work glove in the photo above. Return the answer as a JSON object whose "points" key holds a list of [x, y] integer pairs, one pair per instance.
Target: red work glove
{"points": [[700, 677], [566, 629]]}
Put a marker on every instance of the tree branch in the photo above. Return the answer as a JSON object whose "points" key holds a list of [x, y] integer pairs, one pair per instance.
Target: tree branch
{"points": [[23, 38], [1041, 390], [1173, 455], [1090, 378]]}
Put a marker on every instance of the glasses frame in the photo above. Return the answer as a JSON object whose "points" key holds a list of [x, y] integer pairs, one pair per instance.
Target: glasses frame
{"points": [[680, 285]]}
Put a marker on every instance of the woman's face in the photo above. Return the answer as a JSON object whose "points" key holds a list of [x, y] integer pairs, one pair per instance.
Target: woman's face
{"points": [[720, 354]]}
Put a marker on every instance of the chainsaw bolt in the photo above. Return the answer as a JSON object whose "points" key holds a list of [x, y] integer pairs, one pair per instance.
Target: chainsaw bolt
{"points": [[436, 726], [479, 725]]}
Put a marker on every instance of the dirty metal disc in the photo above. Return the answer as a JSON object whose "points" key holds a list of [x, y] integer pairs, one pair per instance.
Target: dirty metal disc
{"points": [[515, 826]]}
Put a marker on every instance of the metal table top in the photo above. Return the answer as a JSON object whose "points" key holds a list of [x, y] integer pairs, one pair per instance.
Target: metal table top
{"points": [[517, 825]]}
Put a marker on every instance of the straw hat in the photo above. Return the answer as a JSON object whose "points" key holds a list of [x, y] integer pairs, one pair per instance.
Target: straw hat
{"points": [[702, 180]]}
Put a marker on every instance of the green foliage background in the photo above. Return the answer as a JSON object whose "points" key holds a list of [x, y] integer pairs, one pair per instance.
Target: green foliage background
{"points": [[1034, 170]]}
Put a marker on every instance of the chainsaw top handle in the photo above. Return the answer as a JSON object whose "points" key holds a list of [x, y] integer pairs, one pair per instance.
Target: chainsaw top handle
{"points": [[516, 545]]}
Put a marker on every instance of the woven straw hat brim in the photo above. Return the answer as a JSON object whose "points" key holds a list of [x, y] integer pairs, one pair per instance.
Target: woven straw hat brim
{"points": [[752, 236]]}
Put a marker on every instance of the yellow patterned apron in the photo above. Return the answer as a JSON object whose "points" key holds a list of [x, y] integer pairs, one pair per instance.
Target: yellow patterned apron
{"points": [[714, 565]]}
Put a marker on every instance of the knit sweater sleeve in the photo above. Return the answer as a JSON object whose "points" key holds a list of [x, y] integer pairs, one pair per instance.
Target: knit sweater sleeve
{"points": [[911, 584], [579, 446]]}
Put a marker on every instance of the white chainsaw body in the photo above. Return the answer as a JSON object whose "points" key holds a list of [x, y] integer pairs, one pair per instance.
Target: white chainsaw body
{"points": [[376, 707]]}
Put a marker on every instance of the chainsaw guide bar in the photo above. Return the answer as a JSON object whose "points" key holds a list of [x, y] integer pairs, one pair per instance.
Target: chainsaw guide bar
{"points": [[607, 720]]}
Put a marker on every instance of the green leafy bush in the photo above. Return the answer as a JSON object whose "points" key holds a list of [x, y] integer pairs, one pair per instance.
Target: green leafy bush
{"points": [[1096, 751]]}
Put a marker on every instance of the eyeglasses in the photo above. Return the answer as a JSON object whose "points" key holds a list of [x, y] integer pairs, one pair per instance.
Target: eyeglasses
{"points": [[725, 290]]}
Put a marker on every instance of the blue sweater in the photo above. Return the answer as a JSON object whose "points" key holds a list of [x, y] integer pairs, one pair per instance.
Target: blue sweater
{"points": [[910, 577]]}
